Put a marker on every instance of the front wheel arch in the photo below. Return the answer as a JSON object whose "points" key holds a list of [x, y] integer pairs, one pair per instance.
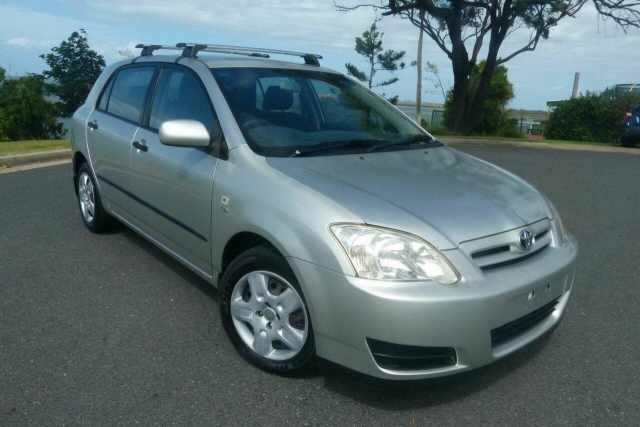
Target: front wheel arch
{"points": [[242, 242]]}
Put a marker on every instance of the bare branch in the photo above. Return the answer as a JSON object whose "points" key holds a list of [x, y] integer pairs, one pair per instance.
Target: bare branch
{"points": [[530, 46], [625, 13], [484, 29], [342, 8]]}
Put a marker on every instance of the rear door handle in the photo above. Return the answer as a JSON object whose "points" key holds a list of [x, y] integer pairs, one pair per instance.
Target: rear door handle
{"points": [[93, 125], [140, 146]]}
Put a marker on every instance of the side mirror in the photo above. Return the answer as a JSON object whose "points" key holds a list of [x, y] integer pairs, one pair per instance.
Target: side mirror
{"points": [[184, 133]]}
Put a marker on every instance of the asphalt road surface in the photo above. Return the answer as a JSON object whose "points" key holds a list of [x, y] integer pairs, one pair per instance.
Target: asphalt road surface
{"points": [[105, 330]]}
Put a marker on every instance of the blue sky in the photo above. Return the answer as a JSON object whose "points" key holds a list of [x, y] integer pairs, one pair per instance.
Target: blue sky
{"points": [[601, 52]]}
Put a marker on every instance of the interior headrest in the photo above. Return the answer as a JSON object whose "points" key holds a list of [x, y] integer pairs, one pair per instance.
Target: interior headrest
{"points": [[277, 98]]}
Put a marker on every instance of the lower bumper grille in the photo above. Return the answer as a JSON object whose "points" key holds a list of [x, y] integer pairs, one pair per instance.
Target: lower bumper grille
{"points": [[411, 358], [519, 326]]}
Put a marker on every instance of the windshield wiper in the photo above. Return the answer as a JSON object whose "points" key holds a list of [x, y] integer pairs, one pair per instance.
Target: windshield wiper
{"points": [[413, 140], [338, 146]]}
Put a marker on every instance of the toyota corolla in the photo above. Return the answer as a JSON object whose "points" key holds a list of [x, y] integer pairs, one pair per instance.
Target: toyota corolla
{"points": [[331, 224]]}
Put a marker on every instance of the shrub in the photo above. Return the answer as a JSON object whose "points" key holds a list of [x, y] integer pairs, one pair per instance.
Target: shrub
{"points": [[509, 129], [24, 112], [593, 117]]}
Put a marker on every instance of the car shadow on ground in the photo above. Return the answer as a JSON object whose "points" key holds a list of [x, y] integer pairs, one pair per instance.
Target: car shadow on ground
{"points": [[165, 259], [383, 394]]}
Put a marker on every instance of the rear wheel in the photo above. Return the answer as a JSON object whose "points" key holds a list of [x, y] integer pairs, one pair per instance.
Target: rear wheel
{"points": [[264, 312], [91, 210]]}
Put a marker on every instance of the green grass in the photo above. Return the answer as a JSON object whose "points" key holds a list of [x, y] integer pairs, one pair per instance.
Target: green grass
{"points": [[8, 148], [561, 141]]}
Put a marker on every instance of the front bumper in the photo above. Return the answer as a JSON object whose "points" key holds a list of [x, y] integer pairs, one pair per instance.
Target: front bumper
{"points": [[346, 311]]}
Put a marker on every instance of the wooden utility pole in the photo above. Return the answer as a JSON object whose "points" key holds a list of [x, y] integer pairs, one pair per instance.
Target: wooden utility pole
{"points": [[419, 69]]}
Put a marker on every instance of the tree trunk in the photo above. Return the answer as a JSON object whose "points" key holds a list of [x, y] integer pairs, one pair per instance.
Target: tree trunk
{"points": [[477, 94], [372, 71], [459, 103], [460, 62], [419, 66], [472, 114]]}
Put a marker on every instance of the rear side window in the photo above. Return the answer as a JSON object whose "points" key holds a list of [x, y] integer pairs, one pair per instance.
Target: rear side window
{"points": [[181, 95], [104, 98], [129, 92]]}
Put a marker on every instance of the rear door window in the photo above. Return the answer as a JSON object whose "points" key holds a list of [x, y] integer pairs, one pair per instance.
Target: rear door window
{"points": [[129, 93]]}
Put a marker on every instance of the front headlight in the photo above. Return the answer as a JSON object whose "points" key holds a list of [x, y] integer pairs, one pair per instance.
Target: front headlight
{"points": [[382, 254]]}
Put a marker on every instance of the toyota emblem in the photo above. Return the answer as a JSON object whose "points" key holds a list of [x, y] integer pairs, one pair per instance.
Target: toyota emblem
{"points": [[526, 239]]}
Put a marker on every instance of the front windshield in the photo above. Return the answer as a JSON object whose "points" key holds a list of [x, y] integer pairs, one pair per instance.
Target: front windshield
{"points": [[289, 112]]}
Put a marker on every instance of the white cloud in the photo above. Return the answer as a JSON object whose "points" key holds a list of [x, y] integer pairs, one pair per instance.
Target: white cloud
{"points": [[19, 41], [314, 22], [27, 42]]}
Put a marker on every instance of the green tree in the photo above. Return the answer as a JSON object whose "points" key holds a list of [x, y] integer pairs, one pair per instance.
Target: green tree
{"points": [[370, 46], [24, 111], [494, 118], [73, 68], [593, 117], [472, 31]]}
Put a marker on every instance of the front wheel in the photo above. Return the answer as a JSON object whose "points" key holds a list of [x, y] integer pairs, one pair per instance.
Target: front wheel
{"points": [[264, 312]]}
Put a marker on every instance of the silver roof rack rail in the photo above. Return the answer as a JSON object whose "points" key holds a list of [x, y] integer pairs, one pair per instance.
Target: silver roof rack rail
{"points": [[148, 49], [191, 50]]}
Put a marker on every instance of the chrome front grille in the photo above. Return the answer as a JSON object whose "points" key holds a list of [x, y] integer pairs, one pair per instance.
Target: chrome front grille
{"points": [[505, 248]]}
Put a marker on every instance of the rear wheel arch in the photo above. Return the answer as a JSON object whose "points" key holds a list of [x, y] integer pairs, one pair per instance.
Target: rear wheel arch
{"points": [[78, 160]]}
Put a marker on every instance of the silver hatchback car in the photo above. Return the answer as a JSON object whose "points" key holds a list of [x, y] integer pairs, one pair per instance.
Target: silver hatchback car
{"points": [[330, 223]]}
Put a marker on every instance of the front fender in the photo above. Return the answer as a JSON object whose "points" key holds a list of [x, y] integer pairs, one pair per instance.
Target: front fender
{"points": [[250, 196]]}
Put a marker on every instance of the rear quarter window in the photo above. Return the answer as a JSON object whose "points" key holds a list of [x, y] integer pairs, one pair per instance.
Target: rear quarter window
{"points": [[129, 93], [104, 98]]}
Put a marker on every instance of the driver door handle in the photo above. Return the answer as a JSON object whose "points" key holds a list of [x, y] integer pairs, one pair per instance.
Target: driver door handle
{"points": [[93, 125], [140, 145]]}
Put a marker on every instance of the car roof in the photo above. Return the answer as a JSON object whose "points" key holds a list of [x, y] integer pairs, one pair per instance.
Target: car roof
{"points": [[228, 61], [235, 61]]}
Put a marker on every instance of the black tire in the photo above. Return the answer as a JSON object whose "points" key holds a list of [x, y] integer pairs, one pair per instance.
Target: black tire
{"points": [[100, 221], [263, 258]]}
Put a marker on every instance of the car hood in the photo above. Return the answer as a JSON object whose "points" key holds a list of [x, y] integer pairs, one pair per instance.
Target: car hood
{"points": [[461, 196]]}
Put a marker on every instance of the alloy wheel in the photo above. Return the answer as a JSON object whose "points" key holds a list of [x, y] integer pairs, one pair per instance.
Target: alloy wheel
{"points": [[269, 315], [86, 193]]}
